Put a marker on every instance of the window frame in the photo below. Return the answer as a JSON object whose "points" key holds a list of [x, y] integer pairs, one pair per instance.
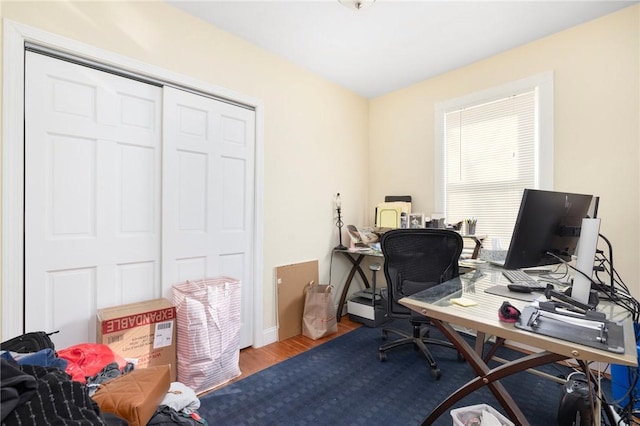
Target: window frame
{"points": [[543, 83]]}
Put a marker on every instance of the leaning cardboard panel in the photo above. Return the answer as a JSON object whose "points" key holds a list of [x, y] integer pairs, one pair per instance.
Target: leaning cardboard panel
{"points": [[144, 332], [291, 282]]}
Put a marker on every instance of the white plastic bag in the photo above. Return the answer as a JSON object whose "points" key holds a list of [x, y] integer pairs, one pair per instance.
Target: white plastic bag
{"points": [[208, 332]]}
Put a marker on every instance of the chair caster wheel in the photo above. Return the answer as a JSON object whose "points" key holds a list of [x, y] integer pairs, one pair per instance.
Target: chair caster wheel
{"points": [[436, 374], [382, 356]]}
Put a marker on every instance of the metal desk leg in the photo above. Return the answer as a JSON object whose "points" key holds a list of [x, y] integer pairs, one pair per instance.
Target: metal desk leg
{"points": [[476, 249], [488, 377], [374, 267], [481, 339], [345, 288]]}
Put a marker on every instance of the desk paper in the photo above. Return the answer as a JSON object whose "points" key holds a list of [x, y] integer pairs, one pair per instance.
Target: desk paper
{"points": [[461, 301]]}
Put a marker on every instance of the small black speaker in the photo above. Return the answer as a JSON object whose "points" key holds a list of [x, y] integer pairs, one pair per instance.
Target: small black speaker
{"points": [[575, 405]]}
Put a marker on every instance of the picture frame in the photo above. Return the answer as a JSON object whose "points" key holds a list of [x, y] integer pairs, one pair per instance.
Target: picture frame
{"points": [[416, 220]]}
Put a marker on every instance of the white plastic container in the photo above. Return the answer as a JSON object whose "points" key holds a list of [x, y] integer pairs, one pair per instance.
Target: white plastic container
{"points": [[462, 415]]}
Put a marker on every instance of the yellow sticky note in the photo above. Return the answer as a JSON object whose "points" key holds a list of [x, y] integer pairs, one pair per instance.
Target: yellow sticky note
{"points": [[464, 302]]}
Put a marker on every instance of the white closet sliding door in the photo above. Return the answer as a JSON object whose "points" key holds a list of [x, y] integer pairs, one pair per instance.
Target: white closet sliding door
{"points": [[92, 195], [129, 189], [208, 192]]}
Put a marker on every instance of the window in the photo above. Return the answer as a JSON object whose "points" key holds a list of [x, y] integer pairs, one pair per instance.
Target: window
{"points": [[489, 147]]}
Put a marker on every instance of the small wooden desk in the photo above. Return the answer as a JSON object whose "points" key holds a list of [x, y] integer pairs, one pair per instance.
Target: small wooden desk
{"points": [[435, 303]]}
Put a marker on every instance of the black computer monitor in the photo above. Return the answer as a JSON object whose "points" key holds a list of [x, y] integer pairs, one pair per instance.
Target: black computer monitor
{"points": [[548, 221]]}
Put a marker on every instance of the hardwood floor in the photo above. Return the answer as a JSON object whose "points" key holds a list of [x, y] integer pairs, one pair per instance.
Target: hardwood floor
{"points": [[253, 360]]}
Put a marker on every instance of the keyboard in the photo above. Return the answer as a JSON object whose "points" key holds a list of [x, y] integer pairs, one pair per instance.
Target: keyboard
{"points": [[517, 276]]}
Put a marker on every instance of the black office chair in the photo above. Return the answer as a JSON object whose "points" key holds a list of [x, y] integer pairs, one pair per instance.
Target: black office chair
{"points": [[414, 260]]}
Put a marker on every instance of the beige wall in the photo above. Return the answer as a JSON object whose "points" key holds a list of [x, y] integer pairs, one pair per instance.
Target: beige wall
{"points": [[596, 69], [317, 135], [313, 129]]}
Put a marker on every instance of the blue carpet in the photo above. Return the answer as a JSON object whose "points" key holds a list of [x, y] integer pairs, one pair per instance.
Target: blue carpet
{"points": [[342, 382]]}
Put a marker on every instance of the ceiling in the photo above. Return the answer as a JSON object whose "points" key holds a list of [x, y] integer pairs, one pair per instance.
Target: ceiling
{"points": [[392, 43]]}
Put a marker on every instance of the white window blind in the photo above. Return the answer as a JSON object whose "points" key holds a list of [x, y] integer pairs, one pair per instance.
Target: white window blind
{"points": [[490, 157]]}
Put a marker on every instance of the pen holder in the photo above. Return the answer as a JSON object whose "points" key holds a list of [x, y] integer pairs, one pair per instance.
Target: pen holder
{"points": [[471, 226]]}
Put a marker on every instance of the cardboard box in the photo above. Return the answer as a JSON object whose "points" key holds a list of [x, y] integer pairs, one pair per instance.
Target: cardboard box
{"points": [[143, 333]]}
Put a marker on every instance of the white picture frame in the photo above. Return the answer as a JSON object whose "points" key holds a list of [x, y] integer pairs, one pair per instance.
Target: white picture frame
{"points": [[416, 220]]}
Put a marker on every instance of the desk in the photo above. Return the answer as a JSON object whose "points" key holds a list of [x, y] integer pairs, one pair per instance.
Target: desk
{"points": [[477, 239], [435, 303], [356, 256]]}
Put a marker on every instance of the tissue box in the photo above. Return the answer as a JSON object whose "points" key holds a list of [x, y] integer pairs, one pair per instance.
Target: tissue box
{"points": [[492, 255], [461, 416]]}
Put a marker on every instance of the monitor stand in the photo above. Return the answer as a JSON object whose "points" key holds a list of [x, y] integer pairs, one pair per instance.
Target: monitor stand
{"points": [[586, 254]]}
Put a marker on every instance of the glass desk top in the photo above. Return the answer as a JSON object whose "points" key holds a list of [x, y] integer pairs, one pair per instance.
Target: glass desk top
{"points": [[483, 315]]}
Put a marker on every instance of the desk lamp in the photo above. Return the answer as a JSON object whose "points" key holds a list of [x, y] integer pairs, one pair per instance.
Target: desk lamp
{"points": [[339, 224]]}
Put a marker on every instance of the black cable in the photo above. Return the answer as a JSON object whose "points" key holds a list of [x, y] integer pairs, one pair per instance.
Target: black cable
{"points": [[621, 297], [606, 240], [550, 274], [573, 267]]}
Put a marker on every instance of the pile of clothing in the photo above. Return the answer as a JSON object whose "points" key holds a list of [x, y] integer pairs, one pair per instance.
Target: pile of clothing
{"points": [[49, 387]]}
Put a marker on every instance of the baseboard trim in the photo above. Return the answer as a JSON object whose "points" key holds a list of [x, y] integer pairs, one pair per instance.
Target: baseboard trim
{"points": [[269, 336]]}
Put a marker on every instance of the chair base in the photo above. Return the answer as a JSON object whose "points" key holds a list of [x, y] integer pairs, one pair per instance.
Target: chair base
{"points": [[418, 339]]}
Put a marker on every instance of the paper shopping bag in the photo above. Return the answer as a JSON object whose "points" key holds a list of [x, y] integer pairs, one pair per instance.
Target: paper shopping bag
{"points": [[319, 314]]}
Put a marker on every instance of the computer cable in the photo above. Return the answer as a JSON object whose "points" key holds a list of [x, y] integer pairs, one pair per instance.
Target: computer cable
{"points": [[553, 281], [626, 411], [573, 267], [634, 306], [610, 246], [552, 275], [611, 412], [621, 297]]}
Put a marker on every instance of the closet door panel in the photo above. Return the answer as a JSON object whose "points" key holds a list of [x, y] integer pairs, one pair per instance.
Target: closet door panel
{"points": [[208, 163], [92, 195], [127, 193], [193, 192]]}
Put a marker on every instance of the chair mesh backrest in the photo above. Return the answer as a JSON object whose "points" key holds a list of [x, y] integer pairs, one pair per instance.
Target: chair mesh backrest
{"points": [[416, 259]]}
